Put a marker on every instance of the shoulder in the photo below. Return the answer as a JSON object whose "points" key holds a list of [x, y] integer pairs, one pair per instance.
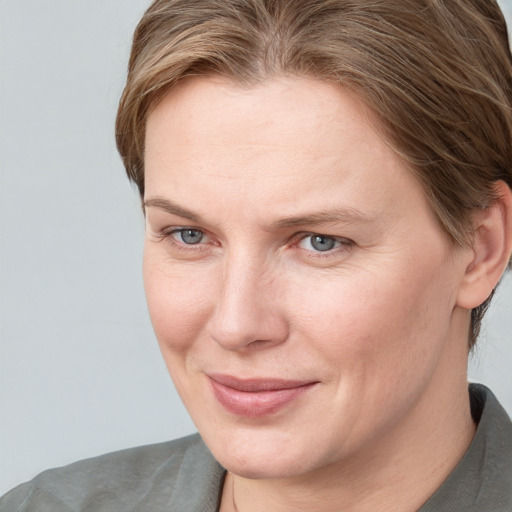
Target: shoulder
{"points": [[482, 481], [153, 477]]}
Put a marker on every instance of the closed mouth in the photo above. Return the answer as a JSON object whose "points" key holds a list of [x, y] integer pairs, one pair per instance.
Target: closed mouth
{"points": [[256, 397]]}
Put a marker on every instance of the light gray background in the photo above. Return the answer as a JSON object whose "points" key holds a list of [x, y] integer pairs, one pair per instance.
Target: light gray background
{"points": [[80, 371]]}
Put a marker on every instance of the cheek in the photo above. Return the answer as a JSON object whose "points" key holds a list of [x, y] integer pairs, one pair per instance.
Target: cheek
{"points": [[378, 322], [178, 302]]}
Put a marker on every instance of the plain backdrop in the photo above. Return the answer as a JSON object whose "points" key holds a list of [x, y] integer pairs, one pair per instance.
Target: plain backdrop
{"points": [[80, 371]]}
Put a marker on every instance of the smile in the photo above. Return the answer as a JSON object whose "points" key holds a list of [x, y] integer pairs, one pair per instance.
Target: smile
{"points": [[256, 397]]}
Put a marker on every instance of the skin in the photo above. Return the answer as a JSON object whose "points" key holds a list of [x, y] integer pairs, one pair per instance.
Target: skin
{"points": [[379, 322]]}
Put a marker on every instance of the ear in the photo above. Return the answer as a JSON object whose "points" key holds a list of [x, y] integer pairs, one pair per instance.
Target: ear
{"points": [[491, 250]]}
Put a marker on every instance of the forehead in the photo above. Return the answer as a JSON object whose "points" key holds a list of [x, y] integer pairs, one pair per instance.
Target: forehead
{"points": [[291, 108], [271, 144]]}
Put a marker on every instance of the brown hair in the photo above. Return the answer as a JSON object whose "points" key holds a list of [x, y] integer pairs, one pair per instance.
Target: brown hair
{"points": [[438, 73]]}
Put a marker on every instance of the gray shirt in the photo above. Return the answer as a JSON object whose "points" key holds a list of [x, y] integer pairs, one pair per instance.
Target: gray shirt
{"points": [[182, 476]]}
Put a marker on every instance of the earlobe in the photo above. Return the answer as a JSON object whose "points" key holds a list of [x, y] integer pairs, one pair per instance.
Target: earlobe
{"points": [[491, 249]]}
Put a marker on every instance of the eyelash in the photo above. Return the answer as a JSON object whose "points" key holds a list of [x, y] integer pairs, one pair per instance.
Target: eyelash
{"points": [[343, 244]]}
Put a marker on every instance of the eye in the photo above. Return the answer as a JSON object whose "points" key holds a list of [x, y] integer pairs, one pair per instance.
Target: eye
{"points": [[322, 243], [188, 236]]}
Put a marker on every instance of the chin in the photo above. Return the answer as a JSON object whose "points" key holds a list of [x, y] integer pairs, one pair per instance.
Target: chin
{"points": [[256, 468], [261, 455]]}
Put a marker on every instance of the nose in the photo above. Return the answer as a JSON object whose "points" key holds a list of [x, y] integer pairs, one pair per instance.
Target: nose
{"points": [[249, 312]]}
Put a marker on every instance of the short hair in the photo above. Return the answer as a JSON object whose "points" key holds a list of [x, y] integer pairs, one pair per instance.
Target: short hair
{"points": [[437, 73]]}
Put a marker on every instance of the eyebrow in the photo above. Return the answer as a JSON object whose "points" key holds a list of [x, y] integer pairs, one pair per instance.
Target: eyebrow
{"points": [[337, 215], [173, 209]]}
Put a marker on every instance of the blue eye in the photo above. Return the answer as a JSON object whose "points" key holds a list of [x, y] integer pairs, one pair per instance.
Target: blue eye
{"points": [[322, 243], [188, 236]]}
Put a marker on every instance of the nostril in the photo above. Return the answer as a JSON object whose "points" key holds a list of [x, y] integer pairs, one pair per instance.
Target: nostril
{"points": [[259, 329]]}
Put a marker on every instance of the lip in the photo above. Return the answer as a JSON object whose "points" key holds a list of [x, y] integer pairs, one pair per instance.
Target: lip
{"points": [[253, 398]]}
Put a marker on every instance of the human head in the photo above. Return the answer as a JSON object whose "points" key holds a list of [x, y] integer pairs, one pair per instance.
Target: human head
{"points": [[437, 74]]}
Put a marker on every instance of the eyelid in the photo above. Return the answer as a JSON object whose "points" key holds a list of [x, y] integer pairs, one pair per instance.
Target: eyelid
{"points": [[175, 229]]}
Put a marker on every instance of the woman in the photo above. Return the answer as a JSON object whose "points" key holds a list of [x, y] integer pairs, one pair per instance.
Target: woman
{"points": [[327, 193]]}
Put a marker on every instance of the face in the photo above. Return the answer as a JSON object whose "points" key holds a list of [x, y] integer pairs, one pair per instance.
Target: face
{"points": [[300, 289]]}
